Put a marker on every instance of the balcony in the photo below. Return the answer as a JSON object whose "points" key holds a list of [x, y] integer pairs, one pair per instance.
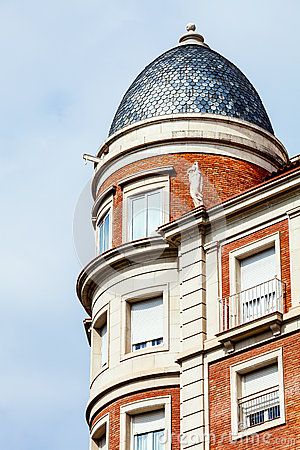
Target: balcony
{"points": [[251, 304], [259, 408], [251, 312]]}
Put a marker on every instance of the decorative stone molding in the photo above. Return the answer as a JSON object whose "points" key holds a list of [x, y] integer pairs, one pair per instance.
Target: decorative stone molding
{"points": [[147, 173]]}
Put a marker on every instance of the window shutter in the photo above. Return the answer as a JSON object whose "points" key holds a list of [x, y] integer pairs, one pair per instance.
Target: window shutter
{"points": [[258, 268], [146, 320], [147, 422], [259, 380], [104, 349]]}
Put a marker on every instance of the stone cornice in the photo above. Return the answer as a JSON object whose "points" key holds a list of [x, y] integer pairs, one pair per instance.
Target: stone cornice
{"points": [[150, 376], [114, 261], [242, 139]]}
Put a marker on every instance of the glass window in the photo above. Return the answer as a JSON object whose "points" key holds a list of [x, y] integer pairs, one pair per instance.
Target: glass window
{"points": [[104, 233], [145, 214], [147, 323], [260, 401], [148, 430]]}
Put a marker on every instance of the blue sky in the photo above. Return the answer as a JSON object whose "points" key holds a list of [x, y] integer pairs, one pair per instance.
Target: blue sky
{"points": [[64, 67]]}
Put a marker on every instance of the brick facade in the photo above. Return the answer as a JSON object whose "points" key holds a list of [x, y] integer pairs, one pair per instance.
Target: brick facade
{"points": [[114, 414], [223, 176], [280, 437], [283, 229]]}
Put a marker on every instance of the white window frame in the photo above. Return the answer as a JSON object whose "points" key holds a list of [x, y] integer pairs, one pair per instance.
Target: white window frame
{"points": [[140, 407], [235, 256], [105, 209], [96, 346], [241, 368], [97, 432], [141, 187], [144, 196], [126, 302]]}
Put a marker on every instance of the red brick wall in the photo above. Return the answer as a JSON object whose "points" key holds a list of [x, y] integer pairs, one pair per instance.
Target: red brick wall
{"points": [[114, 414], [219, 396], [223, 178], [283, 229]]}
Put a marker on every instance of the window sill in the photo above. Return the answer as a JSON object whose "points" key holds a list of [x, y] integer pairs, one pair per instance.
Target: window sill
{"points": [[144, 351], [258, 429], [270, 322]]}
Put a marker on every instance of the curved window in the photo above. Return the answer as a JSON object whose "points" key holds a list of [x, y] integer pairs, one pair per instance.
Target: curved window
{"points": [[104, 232]]}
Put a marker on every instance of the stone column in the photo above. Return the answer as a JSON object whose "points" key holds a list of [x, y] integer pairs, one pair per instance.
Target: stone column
{"points": [[212, 288], [193, 334], [294, 236]]}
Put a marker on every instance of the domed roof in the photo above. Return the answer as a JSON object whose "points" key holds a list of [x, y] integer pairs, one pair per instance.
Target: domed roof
{"points": [[191, 78]]}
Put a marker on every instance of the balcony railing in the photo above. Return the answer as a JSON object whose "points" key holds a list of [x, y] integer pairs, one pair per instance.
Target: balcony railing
{"points": [[259, 408], [248, 305]]}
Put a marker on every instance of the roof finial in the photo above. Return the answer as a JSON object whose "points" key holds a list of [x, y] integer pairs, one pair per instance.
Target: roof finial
{"points": [[191, 37], [191, 27]]}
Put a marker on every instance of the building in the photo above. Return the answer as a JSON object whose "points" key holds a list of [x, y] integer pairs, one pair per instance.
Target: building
{"points": [[194, 296]]}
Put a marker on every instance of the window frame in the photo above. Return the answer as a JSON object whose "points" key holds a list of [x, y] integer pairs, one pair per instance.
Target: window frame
{"points": [[127, 300], [141, 407], [145, 196], [247, 366], [100, 320], [97, 432], [142, 187], [105, 209]]}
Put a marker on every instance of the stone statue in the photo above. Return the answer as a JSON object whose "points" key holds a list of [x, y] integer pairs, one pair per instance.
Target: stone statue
{"points": [[196, 184]]}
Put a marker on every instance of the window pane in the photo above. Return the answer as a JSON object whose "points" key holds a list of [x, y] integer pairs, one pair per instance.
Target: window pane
{"points": [[104, 233], [138, 218], [154, 216], [141, 442], [158, 440], [101, 234]]}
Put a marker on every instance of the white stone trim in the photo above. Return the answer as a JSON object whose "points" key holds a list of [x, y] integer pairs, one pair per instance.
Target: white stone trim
{"points": [[246, 140], [294, 245], [247, 366], [97, 431], [143, 406], [158, 171], [142, 186], [273, 240], [105, 172], [140, 295]]}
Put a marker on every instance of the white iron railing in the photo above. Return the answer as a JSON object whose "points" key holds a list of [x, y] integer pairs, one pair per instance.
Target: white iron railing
{"points": [[259, 408], [251, 304]]}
